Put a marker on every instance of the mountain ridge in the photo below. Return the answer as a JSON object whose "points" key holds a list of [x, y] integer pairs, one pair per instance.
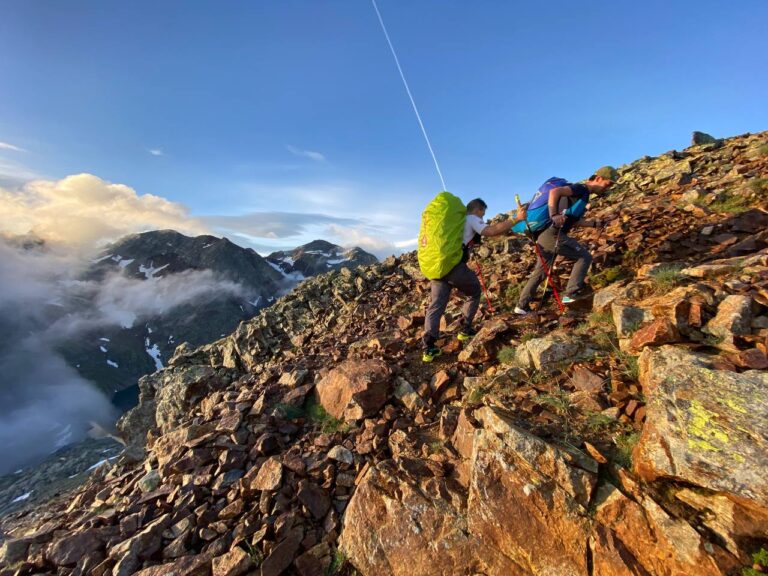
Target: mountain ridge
{"points": [[533, 449]]}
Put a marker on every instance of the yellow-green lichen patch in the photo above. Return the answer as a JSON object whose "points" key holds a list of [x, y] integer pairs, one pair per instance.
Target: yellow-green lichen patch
{"points": [[735, 406], [703, 431]]}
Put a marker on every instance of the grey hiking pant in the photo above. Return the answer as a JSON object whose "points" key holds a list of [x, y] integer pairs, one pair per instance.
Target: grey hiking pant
{"points": [[466, 282], [569, 249]]}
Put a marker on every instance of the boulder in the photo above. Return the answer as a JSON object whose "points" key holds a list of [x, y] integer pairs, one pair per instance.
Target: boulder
{"points": [[233, 563], [197, 565], [355, 389], [394, 526], [550, 353], [734, 317], [631, 538], [70, 549], [528, 501], [659, 331], [483, 345], [704, 427], [699, 138]]}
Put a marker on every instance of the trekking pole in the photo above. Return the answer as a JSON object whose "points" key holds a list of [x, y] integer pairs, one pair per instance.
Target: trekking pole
{"points": [[485, 290], [536, 248], [552, 263]]}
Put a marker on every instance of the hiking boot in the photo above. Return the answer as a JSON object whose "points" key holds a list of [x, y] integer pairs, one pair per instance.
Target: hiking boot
{"points": [[521, 311], [567, 300], [466, 334], [430, 354]]}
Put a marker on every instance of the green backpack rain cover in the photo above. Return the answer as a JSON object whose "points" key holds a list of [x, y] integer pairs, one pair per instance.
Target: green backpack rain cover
{"points": [[441, 235]]}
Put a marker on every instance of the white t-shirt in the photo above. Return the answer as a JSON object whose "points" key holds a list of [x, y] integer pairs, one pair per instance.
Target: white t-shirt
{"points": [[473, 225]]}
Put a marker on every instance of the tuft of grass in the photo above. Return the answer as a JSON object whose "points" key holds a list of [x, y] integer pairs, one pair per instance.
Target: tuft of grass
{"points": [[337, 563], [512, 294], [476, 395], [628, 365], [257, 556], [608, 276], [527, 337], [327, 423], [600, 318], [597, 422], [666, 278], [560, 403], [763, 149], [759, 185], [729, 204], [625, 444], [435, 447], [506, 355]]}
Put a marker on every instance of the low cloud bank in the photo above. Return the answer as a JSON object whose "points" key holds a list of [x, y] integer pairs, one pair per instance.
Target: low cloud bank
{"points": [[44, 403]]}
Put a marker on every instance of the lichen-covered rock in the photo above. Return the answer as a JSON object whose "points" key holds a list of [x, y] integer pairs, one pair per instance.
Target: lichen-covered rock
{"points": [[701, 422]]}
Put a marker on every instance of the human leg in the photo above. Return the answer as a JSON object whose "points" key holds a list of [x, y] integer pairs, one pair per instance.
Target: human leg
{"points": [[440, 291], [466, 282]]}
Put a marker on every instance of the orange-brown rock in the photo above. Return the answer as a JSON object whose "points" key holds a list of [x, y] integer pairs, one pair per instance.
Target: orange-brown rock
{"points": [[355, 389], [395, 526]]}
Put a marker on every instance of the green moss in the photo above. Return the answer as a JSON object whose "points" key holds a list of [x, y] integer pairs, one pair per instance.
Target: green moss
{"points": [[327, 423], [338, 562], [289, 412], [607, 276]]}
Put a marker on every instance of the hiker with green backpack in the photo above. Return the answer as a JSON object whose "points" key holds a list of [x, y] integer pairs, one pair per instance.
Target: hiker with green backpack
{"points": [[448, 230], [557, 207]]}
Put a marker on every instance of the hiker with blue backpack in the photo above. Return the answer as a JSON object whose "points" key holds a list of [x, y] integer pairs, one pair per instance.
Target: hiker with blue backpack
{"points": [[448, 230], [557, 207]]}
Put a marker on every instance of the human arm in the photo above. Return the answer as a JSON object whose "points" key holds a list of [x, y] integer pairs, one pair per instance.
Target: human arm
{"points": [[503, 227], [554, 204]]}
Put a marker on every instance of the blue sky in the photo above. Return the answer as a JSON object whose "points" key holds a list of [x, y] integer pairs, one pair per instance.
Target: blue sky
{"points": [[288, 118]]}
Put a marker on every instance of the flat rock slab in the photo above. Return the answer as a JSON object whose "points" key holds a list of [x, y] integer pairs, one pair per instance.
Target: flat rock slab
{"points": [[704, 426]]}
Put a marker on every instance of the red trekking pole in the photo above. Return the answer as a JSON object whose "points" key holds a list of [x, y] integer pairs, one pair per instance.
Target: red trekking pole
{"points": [[551, 282], [485, 290]]}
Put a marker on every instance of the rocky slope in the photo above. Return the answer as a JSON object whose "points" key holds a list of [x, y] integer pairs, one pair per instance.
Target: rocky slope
{"points": [[318, 257], [627, 436]]}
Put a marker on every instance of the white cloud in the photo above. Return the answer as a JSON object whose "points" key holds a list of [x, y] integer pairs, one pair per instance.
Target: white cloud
{"points": [[316, 156], [273, 224], [155, 151], [406, 244], [83, 210], [351, 236], [6, 146]]}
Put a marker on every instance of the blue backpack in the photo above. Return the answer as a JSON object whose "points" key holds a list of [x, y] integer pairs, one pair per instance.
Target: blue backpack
{"points": [[538, 209]]}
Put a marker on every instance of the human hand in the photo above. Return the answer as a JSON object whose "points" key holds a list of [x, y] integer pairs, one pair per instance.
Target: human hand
{"points": [[522, 213], [558, 219]]}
